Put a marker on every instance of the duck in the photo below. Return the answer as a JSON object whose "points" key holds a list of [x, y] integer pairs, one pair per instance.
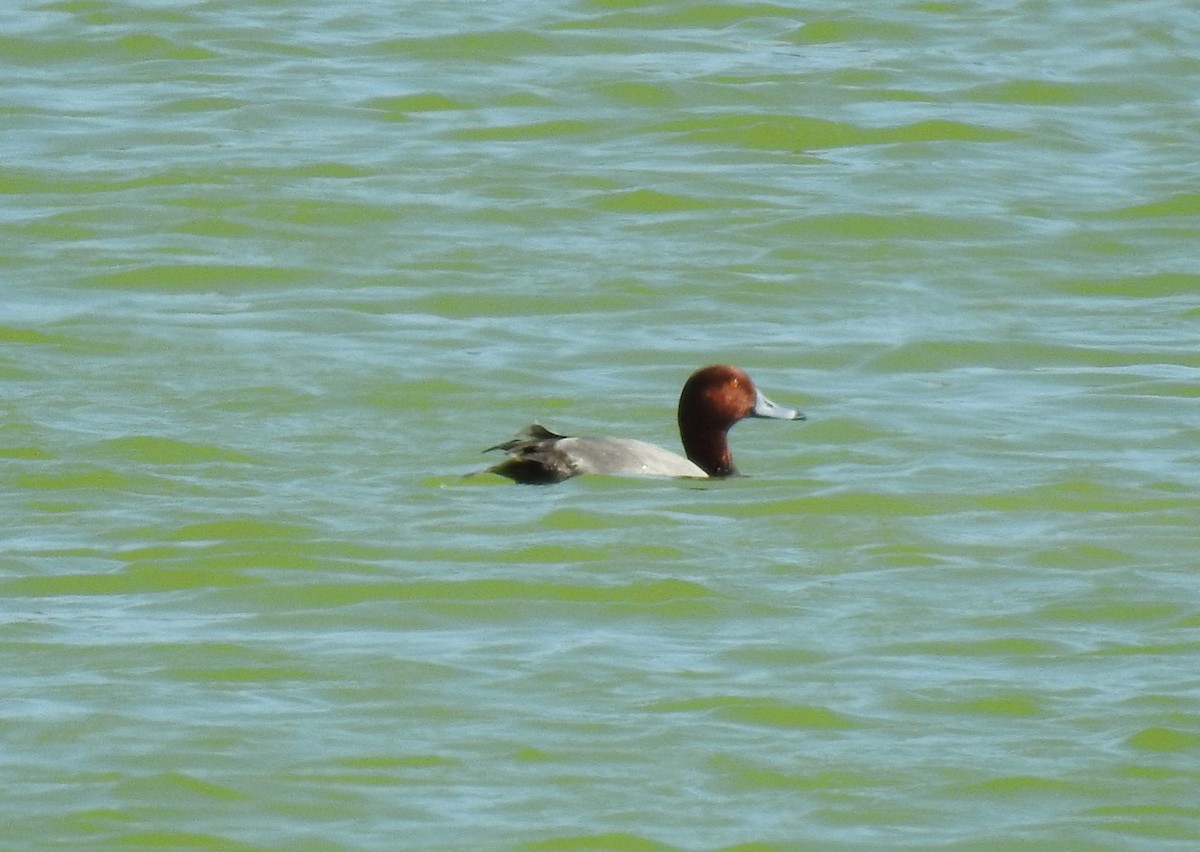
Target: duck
{"points": [[713, 399]]}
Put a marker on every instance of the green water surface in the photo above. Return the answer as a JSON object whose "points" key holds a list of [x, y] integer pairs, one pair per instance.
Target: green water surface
{"points": [[273, 274]]}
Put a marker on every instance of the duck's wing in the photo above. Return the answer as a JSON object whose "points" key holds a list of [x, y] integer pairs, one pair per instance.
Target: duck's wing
{"points": [[534, 457]]}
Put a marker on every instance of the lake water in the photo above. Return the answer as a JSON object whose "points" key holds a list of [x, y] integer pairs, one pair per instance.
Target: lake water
{"points": [[275, 273]]}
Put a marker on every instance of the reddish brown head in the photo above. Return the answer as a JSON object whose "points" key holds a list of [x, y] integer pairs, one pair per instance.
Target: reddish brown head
{"points": [[713, 399]]}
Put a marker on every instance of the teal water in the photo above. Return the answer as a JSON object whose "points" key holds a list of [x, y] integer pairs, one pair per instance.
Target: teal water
{"points": [[273, 276]]}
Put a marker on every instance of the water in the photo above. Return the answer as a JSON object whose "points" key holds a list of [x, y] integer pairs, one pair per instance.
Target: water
{"points": [[275, 275]]}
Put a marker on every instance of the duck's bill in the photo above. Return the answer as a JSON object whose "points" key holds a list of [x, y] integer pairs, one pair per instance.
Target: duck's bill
{"points": [[763, 407]]}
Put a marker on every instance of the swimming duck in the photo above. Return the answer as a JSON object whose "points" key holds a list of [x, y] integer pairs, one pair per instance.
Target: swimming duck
{"points": [[713, 399]]}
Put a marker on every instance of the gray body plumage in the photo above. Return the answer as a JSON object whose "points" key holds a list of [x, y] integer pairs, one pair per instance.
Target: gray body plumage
{"points": [[538, 454]]}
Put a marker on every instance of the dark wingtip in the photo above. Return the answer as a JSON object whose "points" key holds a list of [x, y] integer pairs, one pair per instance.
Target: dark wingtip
{"points": [[532, 432], [530, 461]]}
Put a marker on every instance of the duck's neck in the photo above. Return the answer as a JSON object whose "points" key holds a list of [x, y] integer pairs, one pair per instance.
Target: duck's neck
{"points": [[708, 450]]}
